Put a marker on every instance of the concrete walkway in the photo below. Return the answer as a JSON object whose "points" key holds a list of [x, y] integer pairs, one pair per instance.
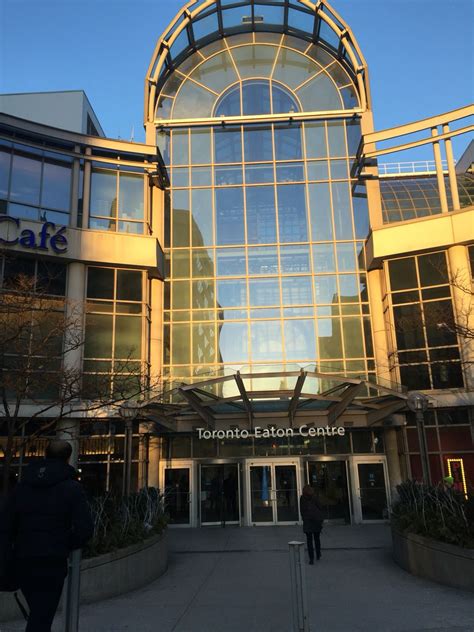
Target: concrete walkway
{"points": [[237, 580]]}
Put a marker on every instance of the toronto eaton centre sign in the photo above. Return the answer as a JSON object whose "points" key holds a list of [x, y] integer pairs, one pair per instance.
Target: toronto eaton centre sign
{"points": [[266, 433]]}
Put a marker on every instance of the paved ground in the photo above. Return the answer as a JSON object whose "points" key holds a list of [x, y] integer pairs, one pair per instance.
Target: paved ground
{"points": [[237, 580]]}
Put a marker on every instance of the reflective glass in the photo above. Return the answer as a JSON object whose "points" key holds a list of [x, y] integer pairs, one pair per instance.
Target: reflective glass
{"points": [[204, 294], [408, 327], [320, 94], [261, 219], [323, 258], [5, 162], [403, 274], [329, 338], [296, 290], [56, 187], [259, 174], [233, 342], [300, 341], [201, 147], [292, 213], [361, 212], [336, 138], [180, 147], [318, 170], [290, 172], [295, 259], [180, 218], [230, 103], [316, 145], [103, 200], [129, 285], [232, 17], [232, 293], [131, 196], [201, 176], [180, 295], [263, 260], [204, 343], [228, 175], [203, 263], [339, 170], [266, 341], [230, 262], [23, 212], [342, 210], [256, 97], [282, 101], [128, 337], [258, 144], [270, 14], [216, 73], [254, 61], [100, 283], [180, 177], [181, 344], [202, 230], [25, 179], [320, 209], [325, 289], [264, 292], [195, 99], [293, 69], [228, 145], [353, 338], [229, 216], [349, 290], [180, 267], [346, 261], [288, 142], [433, 269], [98, 336], [301, 20], [205, 26]]}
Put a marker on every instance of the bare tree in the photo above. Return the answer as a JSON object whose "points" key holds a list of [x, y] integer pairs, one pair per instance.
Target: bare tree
{"points": [[41, 379]]}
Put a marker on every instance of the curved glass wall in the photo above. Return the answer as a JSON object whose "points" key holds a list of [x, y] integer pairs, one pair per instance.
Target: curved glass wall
{"points": [[264, 242], [409, 198], [278, 74]]}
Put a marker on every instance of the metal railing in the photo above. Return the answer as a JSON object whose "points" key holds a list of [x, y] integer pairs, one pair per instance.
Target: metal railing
{"points": [[417, 166]]}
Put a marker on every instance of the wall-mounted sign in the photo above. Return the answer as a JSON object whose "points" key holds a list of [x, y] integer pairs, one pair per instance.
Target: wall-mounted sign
{"points": [[48, 237], [267, 433], [456, 470]]}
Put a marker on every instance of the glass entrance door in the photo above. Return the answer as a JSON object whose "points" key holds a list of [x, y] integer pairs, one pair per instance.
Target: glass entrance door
{"points": [[372, 488], [329, 480], [177, 494], [273, 490], [219, 493]]}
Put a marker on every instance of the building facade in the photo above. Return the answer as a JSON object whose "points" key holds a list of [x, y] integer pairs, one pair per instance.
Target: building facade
{"points": [[278, 288]]}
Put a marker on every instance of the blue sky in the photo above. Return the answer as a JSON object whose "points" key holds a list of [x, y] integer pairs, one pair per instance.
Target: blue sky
{"points": [[420, 53]]}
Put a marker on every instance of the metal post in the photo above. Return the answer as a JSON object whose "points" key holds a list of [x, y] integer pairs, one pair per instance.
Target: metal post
{"points": [[425, 463], [299, 600], [439, 172], [453, 182], [127, 470], [72, 593]]}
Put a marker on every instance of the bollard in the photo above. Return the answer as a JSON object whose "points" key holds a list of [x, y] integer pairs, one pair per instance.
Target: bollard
{"points": [[72, 593], [299, 598]]}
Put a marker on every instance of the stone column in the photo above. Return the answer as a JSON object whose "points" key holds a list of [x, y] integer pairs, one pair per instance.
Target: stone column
{"points": [[379, 327], [463, 306], [393, 460], [68, 430], [154, 462]]}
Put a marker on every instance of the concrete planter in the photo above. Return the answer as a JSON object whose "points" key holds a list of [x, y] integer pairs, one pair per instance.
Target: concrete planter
{"points": [[437, 561], [111, 574]]}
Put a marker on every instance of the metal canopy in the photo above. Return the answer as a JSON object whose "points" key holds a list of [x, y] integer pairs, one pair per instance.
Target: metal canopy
{"points": [[252, 398]]}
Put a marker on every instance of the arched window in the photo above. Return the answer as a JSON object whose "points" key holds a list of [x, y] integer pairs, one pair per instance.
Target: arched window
{"points": [[256, 96]]}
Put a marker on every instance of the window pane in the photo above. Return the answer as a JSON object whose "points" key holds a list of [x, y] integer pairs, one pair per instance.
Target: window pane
{"points": [[181, 298], [216, 73], [415, 377], [228, 175], [290, 172], [264, 292], [5, 161], [336, 139], [200, 147], [349, 288], [263, 261], [56, 191], [51, 278], [254, 61], [203, 263], [258, 144], [195, 99], [316, 146], [233, 342], [293, 69], [325, 289], [292, 213], [323, 258], [231, 262], [25, 179], [342, 210], [440, 325], [282, 101], [261, 219], [433, 269], [228, 145], [131, 196], [204, 295], [297, 291], [98, 336], [300, 341], [180, 148], [128, 337], [329, 338], [256, 97], [202, 230], [204, 343], [402, 274], [129, 285], [288, 142], [181, 344], [320, 94], [229, 104], [321, 217], [100, 283], [103, 199], [408, 327], [266, 341], [229, 216], [353, 339], [295, 259], [232, 293], [180, 218], [346, 261], [259, 174]]}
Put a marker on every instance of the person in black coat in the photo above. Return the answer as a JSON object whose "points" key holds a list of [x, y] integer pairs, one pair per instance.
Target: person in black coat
{"points": [[45, 517], [312, 515]]}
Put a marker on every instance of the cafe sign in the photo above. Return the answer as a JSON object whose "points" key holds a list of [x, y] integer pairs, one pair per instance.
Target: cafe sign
{"points": [[48, 237], [266, 433]]}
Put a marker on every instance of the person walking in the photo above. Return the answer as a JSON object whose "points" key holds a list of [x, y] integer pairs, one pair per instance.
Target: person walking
{"points": [[44, 519], [312, 515]]}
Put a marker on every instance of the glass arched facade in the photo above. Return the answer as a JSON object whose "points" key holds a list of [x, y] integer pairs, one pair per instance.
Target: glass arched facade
{"points": [[263, 232]]}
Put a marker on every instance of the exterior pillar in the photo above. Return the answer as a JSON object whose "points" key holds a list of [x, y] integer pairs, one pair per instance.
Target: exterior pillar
{"points": [[453, 182], [439, 172], [393, 460], [76, 169], [372, 185], [75, 302], [154, 462], [460, 278], [68, 430], [381, 349], [86, 190]]}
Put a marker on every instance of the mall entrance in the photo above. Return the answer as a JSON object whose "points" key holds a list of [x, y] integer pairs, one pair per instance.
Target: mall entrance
{"points": [[273, 492], [329, 478], [219, 493]]}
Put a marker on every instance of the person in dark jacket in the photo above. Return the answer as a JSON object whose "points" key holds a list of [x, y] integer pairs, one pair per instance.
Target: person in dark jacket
{"points": [[312, 515], [45, 518]]}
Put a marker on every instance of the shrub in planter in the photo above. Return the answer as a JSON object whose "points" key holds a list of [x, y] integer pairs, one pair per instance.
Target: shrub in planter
{"points": [[121, 522], [435, 512]]}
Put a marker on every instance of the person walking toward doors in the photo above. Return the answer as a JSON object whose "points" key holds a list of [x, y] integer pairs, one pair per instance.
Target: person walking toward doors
{"points": [[312, 515]]}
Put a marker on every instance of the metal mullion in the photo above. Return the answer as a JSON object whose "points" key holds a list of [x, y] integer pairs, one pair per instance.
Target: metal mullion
{"points": [[306, 81], [201, 85], [114, 317], [236, 68], [344, 122]]}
